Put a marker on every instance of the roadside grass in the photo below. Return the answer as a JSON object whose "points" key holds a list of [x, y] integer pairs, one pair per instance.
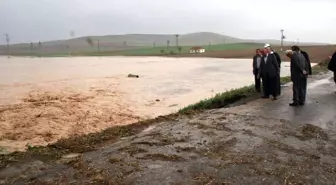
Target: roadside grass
{"points": [[226, 98], [321, 67]]}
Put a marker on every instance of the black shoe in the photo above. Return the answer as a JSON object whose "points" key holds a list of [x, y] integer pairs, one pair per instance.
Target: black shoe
{"points": [[294, 104], [265, 97], [275, 98], [301, 103]]}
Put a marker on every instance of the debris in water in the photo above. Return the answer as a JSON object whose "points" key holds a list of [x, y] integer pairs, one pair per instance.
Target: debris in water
{"points": [[132, 76]]}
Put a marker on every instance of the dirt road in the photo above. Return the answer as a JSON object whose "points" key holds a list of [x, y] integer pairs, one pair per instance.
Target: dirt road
{"points": [[261, 142]]}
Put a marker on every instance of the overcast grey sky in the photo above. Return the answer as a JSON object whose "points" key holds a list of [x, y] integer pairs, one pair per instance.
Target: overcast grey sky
{"points": [[34, 20]]}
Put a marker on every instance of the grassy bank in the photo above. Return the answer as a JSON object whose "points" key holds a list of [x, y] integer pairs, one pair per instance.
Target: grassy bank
{"points": [[321, 67], [226, 98]]}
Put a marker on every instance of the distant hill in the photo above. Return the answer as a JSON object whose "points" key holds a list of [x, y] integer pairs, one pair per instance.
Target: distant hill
{"points": [[131, 41]]}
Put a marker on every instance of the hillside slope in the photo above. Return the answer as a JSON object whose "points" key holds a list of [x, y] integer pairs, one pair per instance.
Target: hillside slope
{"points": [[129, 41]]}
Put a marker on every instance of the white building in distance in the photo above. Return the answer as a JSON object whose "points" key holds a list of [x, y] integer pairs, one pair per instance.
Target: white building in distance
{"points": [[197, 49]]}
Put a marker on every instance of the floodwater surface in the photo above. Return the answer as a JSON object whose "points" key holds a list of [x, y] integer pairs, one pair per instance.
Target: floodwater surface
{"points": [[45, 99]]}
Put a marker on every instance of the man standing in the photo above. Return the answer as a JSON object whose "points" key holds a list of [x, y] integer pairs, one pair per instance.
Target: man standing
{"points": [[298, 68], [306, 56], [256, 66], [278, 58], [332, 65], [269, 69]]}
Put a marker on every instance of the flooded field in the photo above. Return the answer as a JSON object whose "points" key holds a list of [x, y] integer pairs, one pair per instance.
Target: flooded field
{"points": [[45, 99]]}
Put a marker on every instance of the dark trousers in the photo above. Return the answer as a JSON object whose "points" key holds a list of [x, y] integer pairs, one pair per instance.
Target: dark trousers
{"points": [[270, 86], [335, 77], [278, 84], [299, 90], [257, 81], [304, 86]]}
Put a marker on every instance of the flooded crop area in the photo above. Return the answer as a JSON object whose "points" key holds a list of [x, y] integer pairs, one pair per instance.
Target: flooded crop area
{"points": [[46, 99]]}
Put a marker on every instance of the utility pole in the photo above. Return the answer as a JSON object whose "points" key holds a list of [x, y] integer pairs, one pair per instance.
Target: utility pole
{"points": [[72, 35], [7, 41], [154, 45], [31, 47], [177, 37], [168, 42], [40, 48], [98, 44], [282, 38], [298, 41]]}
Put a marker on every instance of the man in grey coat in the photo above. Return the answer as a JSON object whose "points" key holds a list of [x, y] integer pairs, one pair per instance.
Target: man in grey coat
{"points": [[256, 66], [299, 72], [269, 69]]}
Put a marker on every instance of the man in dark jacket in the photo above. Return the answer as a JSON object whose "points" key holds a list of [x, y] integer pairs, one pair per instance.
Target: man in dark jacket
{"points": [[305, 81], [278, 58], [269, 69], [256, 66], [299, 72], [332, 65], [306, 56]]}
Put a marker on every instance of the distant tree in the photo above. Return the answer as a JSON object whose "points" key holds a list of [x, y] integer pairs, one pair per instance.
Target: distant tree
{"points": [[31, 46], [209, 45], [162, 52], [154, 45], [125, 43], [179, 49], [168, 43], [90, 41]]}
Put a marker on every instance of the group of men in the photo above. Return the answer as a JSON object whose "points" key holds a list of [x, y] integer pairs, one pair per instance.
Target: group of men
{"points": [[266, 68]]}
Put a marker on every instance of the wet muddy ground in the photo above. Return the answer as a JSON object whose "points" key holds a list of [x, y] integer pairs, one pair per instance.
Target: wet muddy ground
{"points": [[261, 142]]}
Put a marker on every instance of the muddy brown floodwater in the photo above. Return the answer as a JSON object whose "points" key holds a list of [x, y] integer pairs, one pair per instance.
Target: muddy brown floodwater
{"points": [[45, 99]]}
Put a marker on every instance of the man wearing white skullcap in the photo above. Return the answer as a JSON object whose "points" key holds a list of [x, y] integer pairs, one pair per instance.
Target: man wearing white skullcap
{"points": [[278, 58], [269, 70]]}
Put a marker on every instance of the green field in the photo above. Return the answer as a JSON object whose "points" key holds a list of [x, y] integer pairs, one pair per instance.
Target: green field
{"points": [[143, 51], [184, 49]]}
